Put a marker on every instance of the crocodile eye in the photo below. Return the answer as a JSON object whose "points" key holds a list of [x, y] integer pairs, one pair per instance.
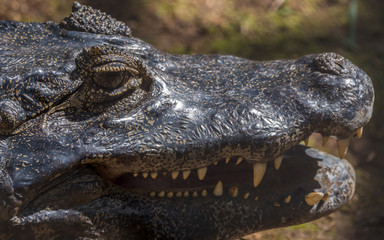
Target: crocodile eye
{"points": [[109, 74], [112, 76]]}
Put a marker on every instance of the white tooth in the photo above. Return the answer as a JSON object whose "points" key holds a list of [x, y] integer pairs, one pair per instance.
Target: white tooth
{"points": [[218, 191], [186, 194], [325, 140], [179, 194], [170, 194], [359, 132], [287, 199], [194, 194], [201, 172], [186, 174], [342, 145], [246, 196], [161, 194], [239, 160], [233, 191], [227, 160], [313, 198], [153, 175], [258, 173], [306, 141], [152, 194], [204, 193], [145, 175], [135, 174], [174, 174], [277, 162]]}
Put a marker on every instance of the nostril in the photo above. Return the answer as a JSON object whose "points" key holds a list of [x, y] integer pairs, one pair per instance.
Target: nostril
{"points": [[332, 63], [340, 64]]}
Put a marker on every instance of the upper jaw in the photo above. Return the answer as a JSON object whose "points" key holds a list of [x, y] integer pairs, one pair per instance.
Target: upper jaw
{"points": [[191, 136]]}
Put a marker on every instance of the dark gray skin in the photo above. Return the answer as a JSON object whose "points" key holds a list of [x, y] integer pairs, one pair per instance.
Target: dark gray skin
{"points": [[85, 106]]}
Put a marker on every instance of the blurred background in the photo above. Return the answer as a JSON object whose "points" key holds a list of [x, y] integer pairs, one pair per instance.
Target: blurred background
{"points": [[262, 30]]}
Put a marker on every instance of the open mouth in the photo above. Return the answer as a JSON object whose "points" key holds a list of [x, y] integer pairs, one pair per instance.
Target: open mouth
{"points": [[233, 176]]}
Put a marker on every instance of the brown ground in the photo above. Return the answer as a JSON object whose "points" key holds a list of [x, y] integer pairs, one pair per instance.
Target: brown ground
{"points": [[267, 29]]}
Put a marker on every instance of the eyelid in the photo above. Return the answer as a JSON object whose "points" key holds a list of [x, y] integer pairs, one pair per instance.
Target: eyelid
{"points": [[115, 67]]}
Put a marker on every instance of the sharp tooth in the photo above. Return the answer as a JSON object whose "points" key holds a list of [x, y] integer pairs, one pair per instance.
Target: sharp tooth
{"points": [[239, 160], [186, 174], [170, 194], [186, 194], [306, 141], [325, 140], [161, 194], [256, 198], [359, 132], [313, 198], [325, 197], [218, 191], [201, 172], [277, 162], [194, 194], [179, 194], [136, 174], [233, 191], [227, 160], [342, 145], [174, 174], [145, 174], [204, 193], [153, 175], [246, 196], [152, 194], [258, 173], [287, 199]]}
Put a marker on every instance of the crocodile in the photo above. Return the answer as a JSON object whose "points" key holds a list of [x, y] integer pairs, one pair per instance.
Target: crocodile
{"points": [[102, 136]]}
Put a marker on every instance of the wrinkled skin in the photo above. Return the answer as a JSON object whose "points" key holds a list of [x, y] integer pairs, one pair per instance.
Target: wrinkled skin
{"points": [[85, 107]]}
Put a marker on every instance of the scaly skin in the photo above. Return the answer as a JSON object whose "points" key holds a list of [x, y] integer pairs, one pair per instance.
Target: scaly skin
{"points": [[105, 137]]}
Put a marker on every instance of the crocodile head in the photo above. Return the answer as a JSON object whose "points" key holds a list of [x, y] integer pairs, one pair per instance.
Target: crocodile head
{"points": [[105, 137]]}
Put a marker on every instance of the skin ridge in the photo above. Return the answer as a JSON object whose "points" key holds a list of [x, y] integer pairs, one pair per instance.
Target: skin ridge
{"points": [[95, 124]]}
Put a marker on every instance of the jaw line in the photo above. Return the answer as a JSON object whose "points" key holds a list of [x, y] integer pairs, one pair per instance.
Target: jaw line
{"points": [[304, 169]]}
